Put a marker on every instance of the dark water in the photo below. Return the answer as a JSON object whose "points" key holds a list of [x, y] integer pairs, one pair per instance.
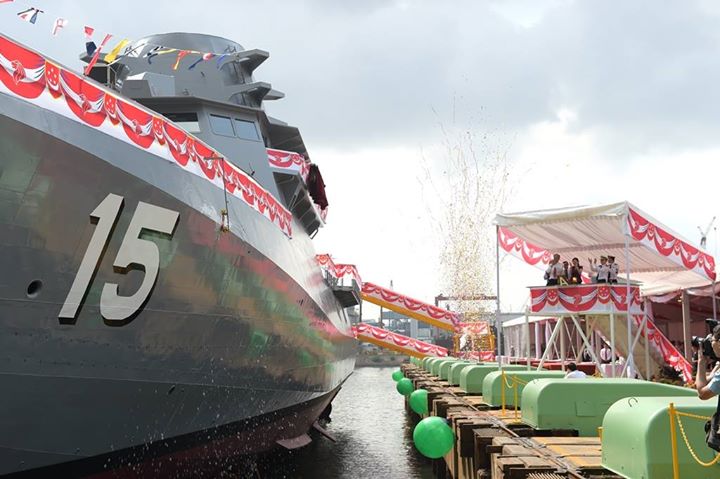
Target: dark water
{"points": [[374, 437]]}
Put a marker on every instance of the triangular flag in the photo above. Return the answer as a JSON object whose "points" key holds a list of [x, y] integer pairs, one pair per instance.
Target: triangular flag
{"points": [[88, 32], [94, 59], [112, 56], [30, 15], [6, 1], [59, 24], [181, 54]]}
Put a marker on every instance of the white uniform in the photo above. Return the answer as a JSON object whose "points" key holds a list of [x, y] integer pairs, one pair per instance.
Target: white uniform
{"points": [[576, 375], [602, 270], [613, 270]]}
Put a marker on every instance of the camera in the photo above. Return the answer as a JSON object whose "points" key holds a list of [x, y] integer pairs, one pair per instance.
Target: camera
{"points": [[705, 344]]}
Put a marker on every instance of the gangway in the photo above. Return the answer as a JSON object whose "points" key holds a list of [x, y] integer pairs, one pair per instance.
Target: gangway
{"points": [[345, 281], [479, 332], [397, 342]]}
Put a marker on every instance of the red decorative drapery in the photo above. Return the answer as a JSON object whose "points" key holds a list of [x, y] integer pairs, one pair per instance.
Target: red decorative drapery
{"points": [[585, 299], [669, 353], [290, 161], [397, 342], [338, 271], [669, 246], [528, 252], [30, 76], [410, 307]]}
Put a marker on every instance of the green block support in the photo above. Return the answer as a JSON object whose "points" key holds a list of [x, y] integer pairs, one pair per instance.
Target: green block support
{"points": [[581, 404], [636, 438], [427, 362], [435, 369], [471, 379], [457, 368], [446, 366], [493, 384]]}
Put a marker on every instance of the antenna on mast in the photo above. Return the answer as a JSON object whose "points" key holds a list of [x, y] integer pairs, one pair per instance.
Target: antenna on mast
{"points": [[703, 234]]}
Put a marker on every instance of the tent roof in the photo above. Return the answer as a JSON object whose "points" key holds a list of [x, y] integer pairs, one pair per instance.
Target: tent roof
{"points": [[659, 258]]}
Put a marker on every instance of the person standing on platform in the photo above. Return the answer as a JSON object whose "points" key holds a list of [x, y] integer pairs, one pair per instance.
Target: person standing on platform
{"points": [[613, 270], [575, 272], [602, 270], [554, 271]]}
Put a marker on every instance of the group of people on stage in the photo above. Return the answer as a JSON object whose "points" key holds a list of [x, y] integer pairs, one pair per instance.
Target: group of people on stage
{"points": [[560, 273]]}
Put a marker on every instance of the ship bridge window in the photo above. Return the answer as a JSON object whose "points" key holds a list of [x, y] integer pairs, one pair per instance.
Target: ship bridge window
{"points": [[247, 130], [221, 125], [186, 121]]}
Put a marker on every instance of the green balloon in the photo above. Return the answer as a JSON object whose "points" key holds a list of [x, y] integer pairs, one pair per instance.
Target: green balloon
{"points": [[397, 375], [419, 401], [404, 386], [433, 437]]}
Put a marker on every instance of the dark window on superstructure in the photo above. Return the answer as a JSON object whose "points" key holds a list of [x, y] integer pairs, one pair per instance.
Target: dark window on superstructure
{"points": [[186, 121], [247, 130], [221, 125], [232, 73]]}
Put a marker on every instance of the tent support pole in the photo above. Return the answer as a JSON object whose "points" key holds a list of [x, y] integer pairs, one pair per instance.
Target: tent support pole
{"points": [[647, 350], [628, 302], [498, 326], [562, 326], [612, 344], [548, 346], [536, 327], [527, 339], [686, 324]]}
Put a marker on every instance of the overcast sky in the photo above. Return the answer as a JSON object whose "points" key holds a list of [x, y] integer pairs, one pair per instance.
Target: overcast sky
{"points": [[596, 101]]}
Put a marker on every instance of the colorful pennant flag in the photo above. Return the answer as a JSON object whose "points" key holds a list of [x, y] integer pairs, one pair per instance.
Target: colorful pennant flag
{"points": [[90, 46], [6, 1], [95, 57], [181, 54], [30, 15], [59, 24], [205, 57], [112, 56]]}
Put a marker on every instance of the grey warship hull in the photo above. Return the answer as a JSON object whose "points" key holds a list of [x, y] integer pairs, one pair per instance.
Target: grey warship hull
{"points": [[238, 344]]}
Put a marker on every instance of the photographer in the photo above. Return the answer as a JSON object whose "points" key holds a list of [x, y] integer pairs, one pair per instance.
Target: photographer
{"points": [[708, 384]]}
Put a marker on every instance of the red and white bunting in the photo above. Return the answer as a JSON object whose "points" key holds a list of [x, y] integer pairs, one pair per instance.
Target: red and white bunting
{"points": [[287, 160], [669, 246], [420, 310], [586, 299], [663, 345], [338, 271], [27, 75], [394, 341]]}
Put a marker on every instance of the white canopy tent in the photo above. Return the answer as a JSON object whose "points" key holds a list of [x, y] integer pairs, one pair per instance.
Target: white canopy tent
{"points": [[646, 251]]}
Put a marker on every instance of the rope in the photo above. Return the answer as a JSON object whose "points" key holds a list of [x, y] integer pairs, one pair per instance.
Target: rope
{"points": [[675, 417], [695, 416]]}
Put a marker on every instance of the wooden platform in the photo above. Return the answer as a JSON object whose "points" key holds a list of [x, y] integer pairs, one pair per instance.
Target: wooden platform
{"points": [[495, 444]]}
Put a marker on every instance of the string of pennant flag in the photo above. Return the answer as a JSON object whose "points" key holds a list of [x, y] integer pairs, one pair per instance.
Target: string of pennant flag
{"points": [[122, 48]]}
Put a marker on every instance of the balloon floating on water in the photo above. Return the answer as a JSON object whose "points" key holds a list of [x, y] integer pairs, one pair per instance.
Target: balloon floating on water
{"points": [[404, 386], [418, 401], [433, 437]]}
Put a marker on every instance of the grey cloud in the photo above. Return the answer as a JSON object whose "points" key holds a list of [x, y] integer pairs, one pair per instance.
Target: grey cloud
{"points": [[637, 73]]}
